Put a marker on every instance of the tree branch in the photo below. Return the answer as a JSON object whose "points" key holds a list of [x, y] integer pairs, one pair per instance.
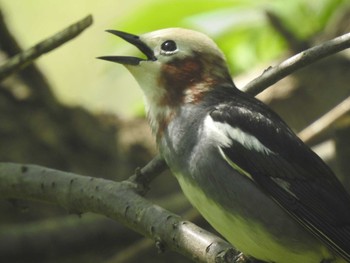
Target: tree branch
{"points": [[118, 201], [31, 75], [315, 131], [143, 176], [273, 74], [22, 59]]}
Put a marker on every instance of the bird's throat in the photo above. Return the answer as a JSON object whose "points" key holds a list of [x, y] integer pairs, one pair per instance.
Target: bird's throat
{"points": [[159, 118]]}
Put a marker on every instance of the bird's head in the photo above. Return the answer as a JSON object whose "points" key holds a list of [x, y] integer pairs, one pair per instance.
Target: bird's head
{"points": [[179, 67]]}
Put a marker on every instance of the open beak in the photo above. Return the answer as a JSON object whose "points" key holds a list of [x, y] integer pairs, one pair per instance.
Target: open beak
{"points": [[135, 40]]}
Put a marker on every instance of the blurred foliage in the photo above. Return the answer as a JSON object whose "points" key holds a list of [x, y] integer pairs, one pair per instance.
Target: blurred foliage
{"points": [[239, 27]]}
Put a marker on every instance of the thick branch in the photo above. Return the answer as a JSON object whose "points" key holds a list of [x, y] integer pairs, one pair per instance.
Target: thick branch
{"points": [[22, 59], [118, 201], [273, 74]]}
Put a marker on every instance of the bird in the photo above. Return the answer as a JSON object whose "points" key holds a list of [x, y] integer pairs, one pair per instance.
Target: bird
{"points": [[236, 160]]}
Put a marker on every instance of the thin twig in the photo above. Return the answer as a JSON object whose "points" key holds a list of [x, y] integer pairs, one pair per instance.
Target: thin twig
{"points": [[315, 130], [22, 59], [145, 175], [32, 76], [273, 74]]}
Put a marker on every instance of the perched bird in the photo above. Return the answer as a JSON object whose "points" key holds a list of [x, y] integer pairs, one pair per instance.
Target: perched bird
{"points": [[236, 161]]}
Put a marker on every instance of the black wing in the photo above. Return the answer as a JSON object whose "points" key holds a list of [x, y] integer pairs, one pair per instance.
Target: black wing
{"points": [[293, 175]]}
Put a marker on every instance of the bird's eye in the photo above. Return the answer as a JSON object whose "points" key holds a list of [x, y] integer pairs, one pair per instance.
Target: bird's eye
{"points": [[168, 47]]}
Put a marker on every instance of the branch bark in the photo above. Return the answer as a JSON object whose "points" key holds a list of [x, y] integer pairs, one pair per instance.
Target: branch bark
{"points": [[119, 201]]}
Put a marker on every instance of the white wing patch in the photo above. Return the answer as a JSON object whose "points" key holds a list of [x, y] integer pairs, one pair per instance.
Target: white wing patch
{"points": [[213, 132], [223, 134]]}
